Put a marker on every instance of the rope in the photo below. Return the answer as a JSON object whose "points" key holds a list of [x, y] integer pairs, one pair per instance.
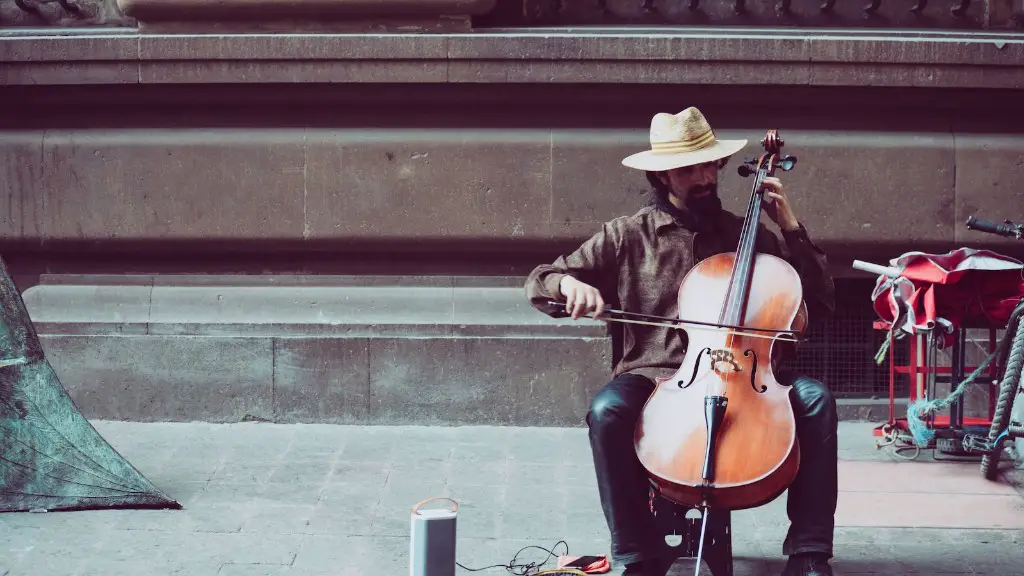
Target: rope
{"points": [[894, 439], [884, 348], [922, 408]]}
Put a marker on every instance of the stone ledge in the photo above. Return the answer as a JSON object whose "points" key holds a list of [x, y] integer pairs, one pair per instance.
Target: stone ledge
{"points": [[704, 55]]}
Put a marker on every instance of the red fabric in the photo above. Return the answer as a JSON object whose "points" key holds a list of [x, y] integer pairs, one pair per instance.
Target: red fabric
{"points": [[965, 286]]}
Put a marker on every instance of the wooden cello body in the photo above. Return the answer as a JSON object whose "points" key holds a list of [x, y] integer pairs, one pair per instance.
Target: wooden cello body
{"points": [[721, 433]]}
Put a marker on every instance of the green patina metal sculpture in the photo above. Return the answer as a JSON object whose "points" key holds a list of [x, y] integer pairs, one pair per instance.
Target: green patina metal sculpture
{"points": [[51, 457]]}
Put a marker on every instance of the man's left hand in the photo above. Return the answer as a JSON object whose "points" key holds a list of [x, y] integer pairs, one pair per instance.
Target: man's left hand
{"points": [[777, 205]]}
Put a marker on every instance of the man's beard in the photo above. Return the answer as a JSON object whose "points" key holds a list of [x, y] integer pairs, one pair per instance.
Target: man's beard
{"points": [[703, 206]]}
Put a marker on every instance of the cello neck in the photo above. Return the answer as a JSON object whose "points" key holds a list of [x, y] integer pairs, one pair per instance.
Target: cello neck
{"points": [[739, 282]]}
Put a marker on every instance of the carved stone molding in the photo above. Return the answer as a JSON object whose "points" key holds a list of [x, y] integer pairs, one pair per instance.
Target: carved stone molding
{"points": [[1004, 14], [61, 13], [885, 14], [305, 15], [779, 58]]}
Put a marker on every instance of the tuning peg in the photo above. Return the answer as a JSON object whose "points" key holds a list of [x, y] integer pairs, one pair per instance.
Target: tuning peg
{"points": [[748, 167], [787, 162]]}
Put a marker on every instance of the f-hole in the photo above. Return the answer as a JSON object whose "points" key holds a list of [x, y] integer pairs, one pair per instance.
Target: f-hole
{"points": [[696, 367], [753, 372]]}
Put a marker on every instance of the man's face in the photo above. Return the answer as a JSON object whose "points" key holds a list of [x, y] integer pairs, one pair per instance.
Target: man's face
{"points": [[695, 187]]}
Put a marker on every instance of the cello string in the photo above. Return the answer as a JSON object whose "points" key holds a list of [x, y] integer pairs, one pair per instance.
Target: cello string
{"points": [[747, 233], [749, 224], [744, 233], [744, 262]]}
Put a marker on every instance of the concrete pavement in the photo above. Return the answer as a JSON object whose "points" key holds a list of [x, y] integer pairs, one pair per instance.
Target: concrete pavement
{"points": [[315, 500]]}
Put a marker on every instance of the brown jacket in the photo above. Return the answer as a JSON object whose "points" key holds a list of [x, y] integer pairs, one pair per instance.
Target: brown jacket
{"points": [[637, 263]]}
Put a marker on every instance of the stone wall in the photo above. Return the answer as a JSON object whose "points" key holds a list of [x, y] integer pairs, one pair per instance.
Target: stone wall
{"points": [[447, 187], [512, 190]]}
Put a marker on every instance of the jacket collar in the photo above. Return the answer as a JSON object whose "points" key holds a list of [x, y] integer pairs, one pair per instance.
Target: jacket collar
{"points": [[727, 221], [662, 219]]}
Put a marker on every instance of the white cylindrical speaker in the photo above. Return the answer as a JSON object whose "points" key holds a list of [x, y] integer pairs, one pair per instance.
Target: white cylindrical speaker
{"points": [[432, 540]]}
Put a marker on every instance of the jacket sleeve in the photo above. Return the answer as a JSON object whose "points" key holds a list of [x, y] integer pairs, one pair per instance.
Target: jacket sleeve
{"points": [[811, 264], [595, 263]]}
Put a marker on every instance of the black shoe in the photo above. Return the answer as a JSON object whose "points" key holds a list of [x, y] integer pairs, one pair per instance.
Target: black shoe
{"points": [[807, 565]]}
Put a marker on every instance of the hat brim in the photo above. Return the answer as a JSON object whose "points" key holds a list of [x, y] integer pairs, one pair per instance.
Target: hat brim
{"points": [[650, 160]]}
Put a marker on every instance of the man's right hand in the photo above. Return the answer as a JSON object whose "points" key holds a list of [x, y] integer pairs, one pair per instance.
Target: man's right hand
{"points": [[580, 298]]}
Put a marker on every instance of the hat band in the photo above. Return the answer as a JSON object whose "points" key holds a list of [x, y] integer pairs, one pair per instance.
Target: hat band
{"points": [[702, 141]]}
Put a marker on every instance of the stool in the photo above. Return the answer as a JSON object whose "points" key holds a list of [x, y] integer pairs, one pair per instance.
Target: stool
{"points": [[679, 520]]}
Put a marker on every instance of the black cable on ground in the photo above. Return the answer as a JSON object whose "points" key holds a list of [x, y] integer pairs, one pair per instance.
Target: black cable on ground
{"points": [[528, 568]]}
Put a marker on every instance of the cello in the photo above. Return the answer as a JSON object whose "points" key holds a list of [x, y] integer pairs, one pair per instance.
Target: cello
{"points": [[720, 432]]}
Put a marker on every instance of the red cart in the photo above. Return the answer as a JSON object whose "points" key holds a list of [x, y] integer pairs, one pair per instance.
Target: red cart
{"points": [[932, 300]]}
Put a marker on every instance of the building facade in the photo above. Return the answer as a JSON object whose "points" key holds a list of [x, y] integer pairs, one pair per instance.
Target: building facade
{"points": [[323, 211]]}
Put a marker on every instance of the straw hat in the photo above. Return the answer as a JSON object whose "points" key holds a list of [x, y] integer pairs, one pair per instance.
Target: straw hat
{"points": [[683, 139]]}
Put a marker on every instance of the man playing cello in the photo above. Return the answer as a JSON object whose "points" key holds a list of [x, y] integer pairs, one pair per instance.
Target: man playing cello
{"points": [[637, 263]]}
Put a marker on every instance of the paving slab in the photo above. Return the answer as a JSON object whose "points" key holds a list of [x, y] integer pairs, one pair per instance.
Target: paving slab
{"points": [[315, 500], [925, 494]]}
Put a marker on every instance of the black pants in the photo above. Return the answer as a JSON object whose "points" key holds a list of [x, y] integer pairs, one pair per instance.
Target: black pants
{"points": [[623, 486]]}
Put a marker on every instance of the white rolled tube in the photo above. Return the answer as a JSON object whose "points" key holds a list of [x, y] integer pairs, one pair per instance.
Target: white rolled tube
{"points": [[876, 268]]}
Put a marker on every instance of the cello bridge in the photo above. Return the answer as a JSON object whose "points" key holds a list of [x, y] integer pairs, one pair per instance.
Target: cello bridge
{"points": [[726, 357]]}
